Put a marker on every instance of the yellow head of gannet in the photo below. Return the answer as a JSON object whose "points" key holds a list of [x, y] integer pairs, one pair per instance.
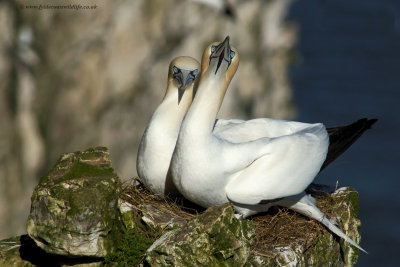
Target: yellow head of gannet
{"points": [[220, 59], [218, 66], [182, 73], [159, 138]]}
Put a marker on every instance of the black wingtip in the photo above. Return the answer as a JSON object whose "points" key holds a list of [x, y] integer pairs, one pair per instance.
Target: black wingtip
{"points": [[371, 122], [342, 137]]}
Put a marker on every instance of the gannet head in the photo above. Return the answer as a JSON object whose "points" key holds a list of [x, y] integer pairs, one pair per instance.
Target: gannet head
{"points": [[182, 73], [220, 59]]}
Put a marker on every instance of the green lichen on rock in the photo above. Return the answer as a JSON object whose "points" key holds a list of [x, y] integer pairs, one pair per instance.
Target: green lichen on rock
{"points": [[347, 202], [214, 238], [74, 208], [136, 237], [131, 249]]}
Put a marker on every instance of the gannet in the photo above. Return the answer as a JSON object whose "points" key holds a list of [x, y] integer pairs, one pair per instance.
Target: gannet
{"points": [[159, 138], [212, 168]]}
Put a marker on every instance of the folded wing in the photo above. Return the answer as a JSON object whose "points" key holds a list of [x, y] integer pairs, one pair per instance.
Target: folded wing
{"points": [[293, 162]]}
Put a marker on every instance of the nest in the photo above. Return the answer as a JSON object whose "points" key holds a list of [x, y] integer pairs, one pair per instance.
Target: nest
{"points": [[279, 227], [137, 194]]}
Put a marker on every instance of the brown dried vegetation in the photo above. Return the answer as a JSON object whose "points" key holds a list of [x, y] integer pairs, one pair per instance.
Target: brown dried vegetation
{"points": [[279, 227]]}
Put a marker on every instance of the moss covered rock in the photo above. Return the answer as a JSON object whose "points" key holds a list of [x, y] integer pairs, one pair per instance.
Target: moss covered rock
{"points": [[162, 218], [74, 208], [215, 237]]}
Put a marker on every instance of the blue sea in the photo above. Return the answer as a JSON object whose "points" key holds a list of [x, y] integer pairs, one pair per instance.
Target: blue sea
{"points": [[347, 67]]}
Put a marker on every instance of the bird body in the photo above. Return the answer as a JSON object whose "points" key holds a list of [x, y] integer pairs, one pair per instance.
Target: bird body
{"points": [[228, 161], [227, 167], [158, 141]]}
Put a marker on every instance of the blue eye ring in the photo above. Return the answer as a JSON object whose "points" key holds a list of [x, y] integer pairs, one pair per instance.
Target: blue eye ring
{"points": [[175, 69], [213, 48], [232, 54], [194, 72]]}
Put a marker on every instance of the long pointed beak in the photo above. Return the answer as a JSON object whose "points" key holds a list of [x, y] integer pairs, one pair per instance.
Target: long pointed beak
{"points": [[221, 53], [185, 78]]}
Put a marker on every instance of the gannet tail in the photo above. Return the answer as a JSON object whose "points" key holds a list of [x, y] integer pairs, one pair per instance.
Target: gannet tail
{"points": [[342, 137], [306, 206]]}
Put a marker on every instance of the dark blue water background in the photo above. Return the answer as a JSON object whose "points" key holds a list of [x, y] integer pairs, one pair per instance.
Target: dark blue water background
{"points": [[348, 67]]}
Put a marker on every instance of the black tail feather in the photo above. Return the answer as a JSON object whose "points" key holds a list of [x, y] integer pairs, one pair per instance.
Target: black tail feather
{"points": [[342, 137]]}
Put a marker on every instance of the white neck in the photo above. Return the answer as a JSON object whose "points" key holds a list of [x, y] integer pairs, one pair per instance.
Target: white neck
{"points": [[169, 114], [201, 116]]}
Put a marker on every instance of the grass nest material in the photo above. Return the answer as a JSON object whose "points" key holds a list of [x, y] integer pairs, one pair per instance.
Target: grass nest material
{"points": [[279, 227]]}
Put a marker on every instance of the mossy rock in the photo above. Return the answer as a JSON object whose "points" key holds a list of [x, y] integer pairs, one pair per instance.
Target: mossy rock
{"points": [[214, 238], [74, 210]]}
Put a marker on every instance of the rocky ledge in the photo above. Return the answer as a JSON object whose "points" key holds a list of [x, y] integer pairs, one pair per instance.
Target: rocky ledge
{"points": [[80, 216]]}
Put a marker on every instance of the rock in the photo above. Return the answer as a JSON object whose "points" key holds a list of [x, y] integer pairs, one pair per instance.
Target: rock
{"points": [[158, 237], [74, 208], [22, 251], [215, 237], [320, 248], [127, 216], [346, 203], [156, 217]]}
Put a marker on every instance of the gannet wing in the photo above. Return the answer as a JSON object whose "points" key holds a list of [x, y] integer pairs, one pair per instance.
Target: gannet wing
{"points": [[289, 167], [238, 131]]}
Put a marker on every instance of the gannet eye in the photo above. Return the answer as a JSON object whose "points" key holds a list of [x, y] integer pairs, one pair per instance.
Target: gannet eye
{"points": [[175, 69], [213, 48], [232, 54], [194, 72]]}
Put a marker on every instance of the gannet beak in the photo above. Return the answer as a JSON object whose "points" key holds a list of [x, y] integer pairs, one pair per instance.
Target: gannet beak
{"points": [[221, 54], [185, 78]]}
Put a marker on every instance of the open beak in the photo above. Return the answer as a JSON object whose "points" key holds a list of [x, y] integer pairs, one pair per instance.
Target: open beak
{"points": [[221, 54]]}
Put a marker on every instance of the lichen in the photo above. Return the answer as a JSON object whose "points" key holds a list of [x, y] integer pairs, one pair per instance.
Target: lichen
{"points": [[213, 238], [77, 199], [134, 240]]}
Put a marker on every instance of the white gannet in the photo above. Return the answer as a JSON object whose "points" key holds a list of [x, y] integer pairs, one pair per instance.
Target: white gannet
{"points": [[251, 170], [159, 138]]}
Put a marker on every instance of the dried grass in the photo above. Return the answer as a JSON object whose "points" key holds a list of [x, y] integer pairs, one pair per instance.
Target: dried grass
{"points": [[137, 194], [277, 227]]}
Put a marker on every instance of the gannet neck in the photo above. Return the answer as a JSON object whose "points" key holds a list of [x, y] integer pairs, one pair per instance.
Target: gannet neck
{"points": [[203, 111], [219, 64], [169, 113]]}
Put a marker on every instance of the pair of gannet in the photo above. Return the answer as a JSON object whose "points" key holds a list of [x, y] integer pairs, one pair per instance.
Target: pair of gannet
{"points": [[254, 164]]}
